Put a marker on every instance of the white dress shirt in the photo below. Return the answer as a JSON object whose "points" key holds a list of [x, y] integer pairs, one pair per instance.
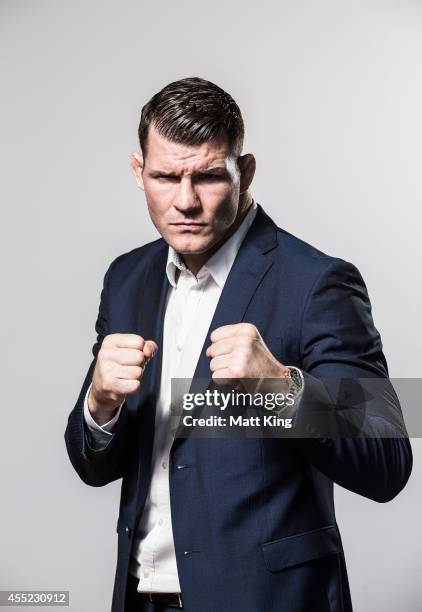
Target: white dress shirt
{"points": [[191, 303]]}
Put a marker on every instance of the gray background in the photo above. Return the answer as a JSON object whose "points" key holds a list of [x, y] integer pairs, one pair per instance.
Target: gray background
{"points": [[331, 94]]}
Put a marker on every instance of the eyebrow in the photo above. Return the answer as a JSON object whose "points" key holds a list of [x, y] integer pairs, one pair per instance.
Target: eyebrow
{"points": [[221, 170]]}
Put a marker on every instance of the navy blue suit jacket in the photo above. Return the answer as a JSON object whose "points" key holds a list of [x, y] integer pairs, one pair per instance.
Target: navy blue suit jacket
{"points": [[253, 519]]}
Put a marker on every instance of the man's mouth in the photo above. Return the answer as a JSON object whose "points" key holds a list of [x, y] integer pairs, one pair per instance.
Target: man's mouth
{"points": [[188, 225]]}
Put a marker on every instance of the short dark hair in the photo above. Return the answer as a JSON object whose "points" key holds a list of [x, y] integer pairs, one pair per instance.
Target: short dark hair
{"points": [[193, 111]]}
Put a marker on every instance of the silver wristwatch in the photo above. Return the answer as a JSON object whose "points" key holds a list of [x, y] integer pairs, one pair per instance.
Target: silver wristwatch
{"points": [[296, 382]]}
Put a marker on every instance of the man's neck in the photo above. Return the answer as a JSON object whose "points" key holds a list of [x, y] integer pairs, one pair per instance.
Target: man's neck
{"points": [[195, 262]]}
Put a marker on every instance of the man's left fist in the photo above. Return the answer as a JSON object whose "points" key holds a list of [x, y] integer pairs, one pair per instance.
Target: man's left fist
{"points": [[238, 351]]}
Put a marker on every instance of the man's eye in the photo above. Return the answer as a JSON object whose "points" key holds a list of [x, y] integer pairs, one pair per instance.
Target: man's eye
{"points": [[166, 177], [209, 177]]}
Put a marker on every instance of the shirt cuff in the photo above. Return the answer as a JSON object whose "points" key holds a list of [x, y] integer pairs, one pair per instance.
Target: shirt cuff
{"points": [[106, 428]]}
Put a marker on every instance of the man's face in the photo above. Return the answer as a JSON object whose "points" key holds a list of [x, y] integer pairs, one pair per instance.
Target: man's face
{"points": [[192, 191]]}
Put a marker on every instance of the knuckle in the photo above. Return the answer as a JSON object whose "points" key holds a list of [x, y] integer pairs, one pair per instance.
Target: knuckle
{"points": [[107, 341], [112, 339], [106, 384], [106, 367], [133, 386], [235, 370], [139, 357], [250, 330], [103, 352]]}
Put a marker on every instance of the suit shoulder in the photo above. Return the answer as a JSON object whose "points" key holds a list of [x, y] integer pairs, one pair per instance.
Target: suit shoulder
{"points": [[124, 263], [307, 265], [306, 258]]}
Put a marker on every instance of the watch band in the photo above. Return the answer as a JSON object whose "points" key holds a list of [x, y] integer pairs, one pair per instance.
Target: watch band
{"points": [[296, 381]]}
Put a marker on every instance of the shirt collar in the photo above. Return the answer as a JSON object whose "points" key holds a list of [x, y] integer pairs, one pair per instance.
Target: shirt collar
{"points": [[219, 265]]}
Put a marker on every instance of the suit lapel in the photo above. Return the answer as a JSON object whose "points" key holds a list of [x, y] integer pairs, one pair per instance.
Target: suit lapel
{"points": [[247, 272], [150, 314], [241, 284], [150, 303]]}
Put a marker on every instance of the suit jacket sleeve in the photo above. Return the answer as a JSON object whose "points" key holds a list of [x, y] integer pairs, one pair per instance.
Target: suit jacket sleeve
{"points": [[97, 466], [339, 341]]}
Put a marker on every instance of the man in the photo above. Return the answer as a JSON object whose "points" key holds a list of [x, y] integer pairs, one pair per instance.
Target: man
{"points": [[243, 523]]}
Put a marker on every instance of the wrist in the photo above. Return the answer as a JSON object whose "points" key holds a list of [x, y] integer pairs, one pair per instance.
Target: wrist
{"points": [[283, 371], [276, 379], [101, 412]]}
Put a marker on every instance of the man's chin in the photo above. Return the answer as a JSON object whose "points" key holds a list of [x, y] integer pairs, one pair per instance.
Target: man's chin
{"points": [[191, 247]]}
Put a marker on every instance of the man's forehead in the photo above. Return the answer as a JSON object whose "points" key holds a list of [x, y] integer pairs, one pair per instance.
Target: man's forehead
{"points": [[187, 165], [212, 153]]}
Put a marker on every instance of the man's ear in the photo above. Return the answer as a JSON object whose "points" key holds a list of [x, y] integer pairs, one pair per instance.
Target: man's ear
{"points": [[247, 167], [137, 165]]}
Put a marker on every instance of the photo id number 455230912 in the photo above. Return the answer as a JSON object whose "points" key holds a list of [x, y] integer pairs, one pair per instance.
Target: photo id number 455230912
{"points": [[34, 598]]}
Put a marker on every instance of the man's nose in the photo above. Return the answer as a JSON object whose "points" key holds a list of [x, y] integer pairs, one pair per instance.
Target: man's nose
{"points": [[187, 198]]}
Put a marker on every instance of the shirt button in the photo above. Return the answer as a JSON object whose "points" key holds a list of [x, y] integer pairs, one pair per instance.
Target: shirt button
{"points": [[146, 573], [164, 465], [160, 522]]}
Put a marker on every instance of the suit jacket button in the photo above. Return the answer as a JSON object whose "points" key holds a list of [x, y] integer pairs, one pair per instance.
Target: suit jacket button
{"points": [[128, 531]]}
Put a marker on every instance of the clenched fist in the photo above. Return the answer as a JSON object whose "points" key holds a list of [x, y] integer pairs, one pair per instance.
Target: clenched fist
{"points": [[238, 351], [121, 362]]}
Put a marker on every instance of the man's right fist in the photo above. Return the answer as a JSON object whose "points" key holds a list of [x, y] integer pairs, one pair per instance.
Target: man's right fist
{"points": [[121, 362]]}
